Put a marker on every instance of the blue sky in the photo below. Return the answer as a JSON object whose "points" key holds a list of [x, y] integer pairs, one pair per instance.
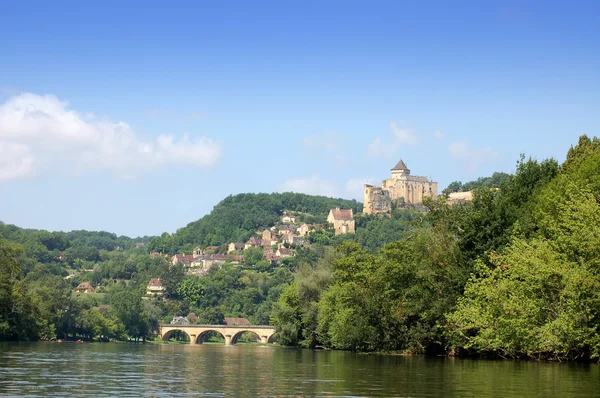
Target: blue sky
{"points": [[139, 117]]}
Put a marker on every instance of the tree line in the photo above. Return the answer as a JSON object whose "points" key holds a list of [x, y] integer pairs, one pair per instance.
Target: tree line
{"points": [[513, 273]]}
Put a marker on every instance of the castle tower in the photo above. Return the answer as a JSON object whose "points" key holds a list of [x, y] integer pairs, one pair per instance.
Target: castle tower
{"points": [[400, 170]]}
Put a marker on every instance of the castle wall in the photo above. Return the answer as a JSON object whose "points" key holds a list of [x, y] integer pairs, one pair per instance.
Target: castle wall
{"points": [[376, 200], [402, 185]]}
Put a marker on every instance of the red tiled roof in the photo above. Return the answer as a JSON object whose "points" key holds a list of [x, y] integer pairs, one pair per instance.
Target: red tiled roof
{"points": [[237, 321], [154, 282], [84, 286]]}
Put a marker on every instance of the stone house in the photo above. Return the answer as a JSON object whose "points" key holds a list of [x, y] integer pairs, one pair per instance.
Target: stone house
{"points": [[342, 220], [237, 322], [179, 320], [155, 287], [234, 247], [284, 253], [460, 197], [203, 262], [303, 230], [266, 235], [288, 218], [182, 259], [253, 242], [285, 228], [84, 287]]}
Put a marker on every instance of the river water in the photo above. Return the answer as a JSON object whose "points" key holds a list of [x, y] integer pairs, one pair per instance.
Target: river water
{"points": [[128, 370]]}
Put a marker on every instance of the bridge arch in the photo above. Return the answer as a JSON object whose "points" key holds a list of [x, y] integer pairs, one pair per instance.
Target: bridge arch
{"points": [[235, 337], [204, 335], [171, 332]]}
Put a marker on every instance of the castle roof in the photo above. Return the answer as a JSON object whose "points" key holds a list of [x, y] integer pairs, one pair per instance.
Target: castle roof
{"points": [[400, 166]]}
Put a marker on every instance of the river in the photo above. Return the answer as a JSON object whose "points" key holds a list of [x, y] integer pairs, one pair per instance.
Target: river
{"points": [[129, 370]]}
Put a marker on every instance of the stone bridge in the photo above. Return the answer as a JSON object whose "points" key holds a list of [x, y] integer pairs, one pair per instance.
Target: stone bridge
{"points": [[197, 333]]}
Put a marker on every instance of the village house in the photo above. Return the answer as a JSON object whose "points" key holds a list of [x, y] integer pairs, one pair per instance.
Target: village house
{"points": [[284, 253], [253, 242], [234, 247], [155, 254], [237, 322], [182, 259], [218, 258], [179, 320], [266, 235], [203, 262], [84, 287], [236, 259], [303, 230], [296, 240], [210, 249], [342, 220], [192, 317], [288, 218], [286, 228], [155, 287], [139, 245], [460, 197]]}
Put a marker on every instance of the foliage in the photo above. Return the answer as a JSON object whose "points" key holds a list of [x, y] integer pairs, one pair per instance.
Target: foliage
{"points": [[238, 217]]}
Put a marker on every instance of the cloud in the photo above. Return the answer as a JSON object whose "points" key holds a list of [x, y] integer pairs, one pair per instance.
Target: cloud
{"points": [[43, 132], [471, 158], [16, 161], [401, 138], [439, 134], [315, 185]]}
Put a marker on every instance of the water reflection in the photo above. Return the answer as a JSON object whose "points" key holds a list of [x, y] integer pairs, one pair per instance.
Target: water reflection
{"points": [[50, 369]]}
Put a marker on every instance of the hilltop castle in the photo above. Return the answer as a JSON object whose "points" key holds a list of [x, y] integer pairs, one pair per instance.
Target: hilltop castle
{"points": [[402, 185]]}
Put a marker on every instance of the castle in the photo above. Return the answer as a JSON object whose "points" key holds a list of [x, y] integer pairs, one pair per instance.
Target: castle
{"points": [[402, 185]]}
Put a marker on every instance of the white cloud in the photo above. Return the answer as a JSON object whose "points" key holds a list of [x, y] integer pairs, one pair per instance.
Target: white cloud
{"points": [[471, 158], [16, 161], [47, 131], [439, 134], [315, 185], [401, 138]]}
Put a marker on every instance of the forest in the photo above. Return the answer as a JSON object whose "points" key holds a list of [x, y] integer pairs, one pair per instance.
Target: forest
{"points": [[514, 273]]}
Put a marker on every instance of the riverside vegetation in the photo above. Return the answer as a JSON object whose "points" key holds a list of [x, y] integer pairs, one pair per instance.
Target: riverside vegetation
{"points": [[513, 273]]}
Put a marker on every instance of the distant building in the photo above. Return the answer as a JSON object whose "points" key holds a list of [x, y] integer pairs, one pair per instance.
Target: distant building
{"points": [[182, 259], [233, 247], [84, 287], [253, 242], [155, 287], [236, 322], [288, 218], [402, 185], [284, 253], [179, 320], [303, 229], [342, 220], [460, 197], [155, 254]]}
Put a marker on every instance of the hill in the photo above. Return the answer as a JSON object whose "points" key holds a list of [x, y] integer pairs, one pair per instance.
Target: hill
{"points": [[237, 217]]}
